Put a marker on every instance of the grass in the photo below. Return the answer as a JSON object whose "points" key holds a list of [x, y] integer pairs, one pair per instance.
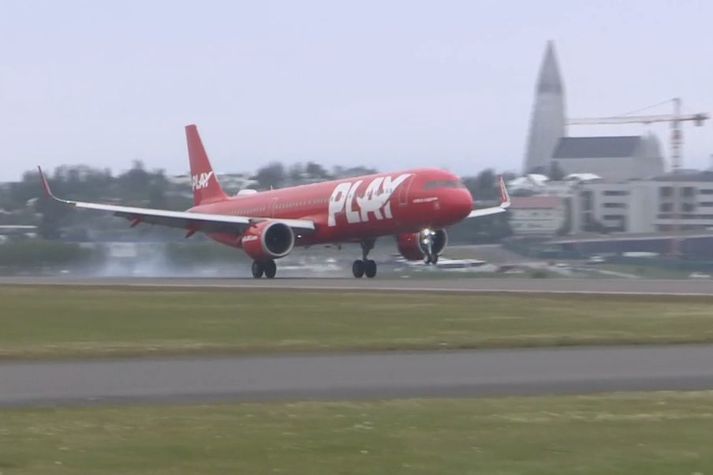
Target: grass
{"points": [[76, 321], [651, 433]]}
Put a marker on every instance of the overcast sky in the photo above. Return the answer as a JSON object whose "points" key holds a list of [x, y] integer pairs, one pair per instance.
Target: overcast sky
{"points": [[388, 84]]}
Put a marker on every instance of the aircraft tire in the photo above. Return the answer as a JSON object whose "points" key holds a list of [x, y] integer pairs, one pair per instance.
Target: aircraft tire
{"points": [[257, 269], [270, 269], [370, 268], [358, 268]]}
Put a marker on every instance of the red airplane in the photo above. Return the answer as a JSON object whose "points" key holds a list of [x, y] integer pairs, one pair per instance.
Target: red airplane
{"points": [[412, 205]]}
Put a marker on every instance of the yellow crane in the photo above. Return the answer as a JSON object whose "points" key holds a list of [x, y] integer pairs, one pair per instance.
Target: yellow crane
{"points": [[675, 119]]}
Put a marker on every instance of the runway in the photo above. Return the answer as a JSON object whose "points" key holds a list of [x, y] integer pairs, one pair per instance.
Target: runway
{"points": [[702, 287], [358, 376]]}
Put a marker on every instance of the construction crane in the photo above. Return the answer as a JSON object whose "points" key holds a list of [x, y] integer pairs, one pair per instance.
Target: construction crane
{"points": [[676, 145], [675, 119]]}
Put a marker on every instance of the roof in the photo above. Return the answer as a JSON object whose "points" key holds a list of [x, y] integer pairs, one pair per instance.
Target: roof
{"points": [[535, 202], [687, 175], [582, 177], [597, 147], [530, 180]]}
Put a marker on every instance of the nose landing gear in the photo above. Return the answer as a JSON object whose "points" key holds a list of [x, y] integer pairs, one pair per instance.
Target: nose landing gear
{"points": [[364, 266], [427, 237]]}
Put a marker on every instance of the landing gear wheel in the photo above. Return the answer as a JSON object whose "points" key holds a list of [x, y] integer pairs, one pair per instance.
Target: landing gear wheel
{"points": [[431, 260], [369, 268], [270, 269], [257, 269], [358, 268]]}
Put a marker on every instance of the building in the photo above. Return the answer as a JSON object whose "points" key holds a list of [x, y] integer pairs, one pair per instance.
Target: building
{"points": [[548, 146], [539, 185], [612, 158], [537, 215], [669, 203], [547, 123]]}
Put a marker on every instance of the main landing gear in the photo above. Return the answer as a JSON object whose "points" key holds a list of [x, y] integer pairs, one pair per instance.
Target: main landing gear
{"points": [[268, 268], [365, 267]]}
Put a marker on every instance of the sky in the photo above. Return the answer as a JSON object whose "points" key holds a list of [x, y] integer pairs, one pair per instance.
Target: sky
{"points": [[386, 84]]}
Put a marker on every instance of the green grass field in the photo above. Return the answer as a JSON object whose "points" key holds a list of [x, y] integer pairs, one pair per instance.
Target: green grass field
{"points": [[74, 321], [654, 433]]}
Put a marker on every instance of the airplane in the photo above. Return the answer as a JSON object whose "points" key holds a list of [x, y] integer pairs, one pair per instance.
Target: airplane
{"points": [[414, 206]]}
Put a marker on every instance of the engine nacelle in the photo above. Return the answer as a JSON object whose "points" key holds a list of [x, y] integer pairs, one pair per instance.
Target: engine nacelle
{"points": [[268, 240], [412, 247]]}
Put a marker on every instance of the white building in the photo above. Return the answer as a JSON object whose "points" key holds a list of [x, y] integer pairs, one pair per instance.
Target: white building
{"points": [[681, 202], [537, 215]]}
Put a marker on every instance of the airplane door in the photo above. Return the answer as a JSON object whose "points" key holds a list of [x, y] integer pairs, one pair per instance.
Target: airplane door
{"points": [[404, 191]]}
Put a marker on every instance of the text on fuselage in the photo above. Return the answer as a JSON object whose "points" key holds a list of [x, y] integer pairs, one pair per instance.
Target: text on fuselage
{"points": [[374, 201]]}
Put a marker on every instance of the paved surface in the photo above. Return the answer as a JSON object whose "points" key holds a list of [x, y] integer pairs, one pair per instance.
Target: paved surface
{"points": [[440, 284], [355, 376]]}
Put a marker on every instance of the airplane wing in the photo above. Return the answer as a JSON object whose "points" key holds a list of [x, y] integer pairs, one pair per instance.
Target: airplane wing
{"points": [[192, 222], [501, 208]]}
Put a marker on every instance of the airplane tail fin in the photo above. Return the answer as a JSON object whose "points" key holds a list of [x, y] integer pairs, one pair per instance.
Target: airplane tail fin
{"points": [[206, 188]]}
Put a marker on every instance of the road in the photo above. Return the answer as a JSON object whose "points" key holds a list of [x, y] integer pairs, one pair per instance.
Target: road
{"points": [[440, 284], [358, 376]]}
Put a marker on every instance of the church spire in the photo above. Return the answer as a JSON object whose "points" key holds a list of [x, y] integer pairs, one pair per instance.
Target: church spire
{"points": [[549, 79], [547, 123]]}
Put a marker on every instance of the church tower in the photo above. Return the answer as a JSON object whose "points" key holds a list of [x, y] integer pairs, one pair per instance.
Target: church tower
{"points": [[547, 124]]}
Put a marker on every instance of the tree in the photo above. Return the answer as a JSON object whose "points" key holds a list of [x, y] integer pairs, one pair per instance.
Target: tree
{"points": [[295, 173], [315, 170], [136, 180], [271, 175], [483, 187]]}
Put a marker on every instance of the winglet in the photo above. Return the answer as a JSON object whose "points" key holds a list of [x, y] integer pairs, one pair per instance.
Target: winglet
{"points": [[504, 195], [45, 184]]}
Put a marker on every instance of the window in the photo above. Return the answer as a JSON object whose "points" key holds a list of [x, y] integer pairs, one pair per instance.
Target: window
{"points": [[614, 205], [430, 185], [665, 191], [666, 207], [615, 193]]}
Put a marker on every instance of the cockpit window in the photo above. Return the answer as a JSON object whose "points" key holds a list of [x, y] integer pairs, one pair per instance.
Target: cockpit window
{"points": [[431, 185]]}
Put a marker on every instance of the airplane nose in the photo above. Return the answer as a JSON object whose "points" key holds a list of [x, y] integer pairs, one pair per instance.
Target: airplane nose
{"points": [[464, 202], [459, 204]]}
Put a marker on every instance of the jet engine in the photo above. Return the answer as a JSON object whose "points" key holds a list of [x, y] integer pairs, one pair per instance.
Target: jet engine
{"points": [[268, 240], [427, 244]]}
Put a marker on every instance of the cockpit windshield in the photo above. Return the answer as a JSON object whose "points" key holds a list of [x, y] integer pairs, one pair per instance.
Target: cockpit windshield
{"points": [[434, 184]]}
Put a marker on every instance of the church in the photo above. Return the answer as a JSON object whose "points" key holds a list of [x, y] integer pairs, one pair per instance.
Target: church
{"points": [[549, 148]]}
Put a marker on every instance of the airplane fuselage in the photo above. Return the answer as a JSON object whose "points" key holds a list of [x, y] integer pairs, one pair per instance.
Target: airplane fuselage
{"points": [[354, 209]]}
